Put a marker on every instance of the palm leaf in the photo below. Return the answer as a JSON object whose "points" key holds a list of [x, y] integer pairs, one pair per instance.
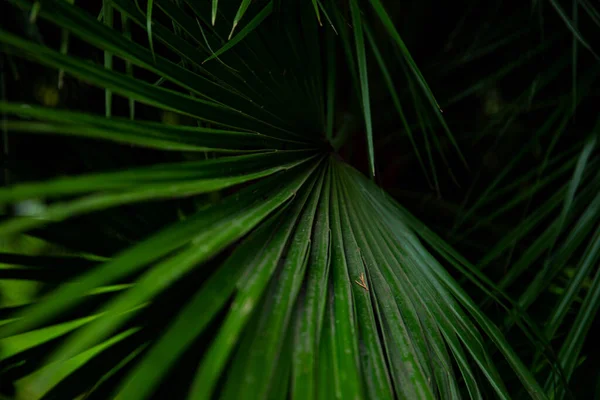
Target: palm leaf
{"points": [[237, 253]]}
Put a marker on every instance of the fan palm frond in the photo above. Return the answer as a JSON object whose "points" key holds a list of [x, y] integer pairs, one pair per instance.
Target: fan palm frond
{"points": [[247, 259]]}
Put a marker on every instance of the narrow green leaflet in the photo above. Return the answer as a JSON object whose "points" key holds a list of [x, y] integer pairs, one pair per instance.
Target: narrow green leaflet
{"points": [[195, 316], [206, 174], [262, 357], [391, 29], [131, 193], [134, 88], [550, 269], [256, 21], [584, 270], [250, 289], [18, 343], [141, 133], [82, 25], [390, 85], [213, 15], [114, 372], [281, 376], [244, 4], [326, 371], [348, 378], [377, 381], [149, 8], [403, 341], [573, 344], [55, 373], [223, 223], [364, 79], [436, 275], [317, 13], [578, 174], [312, 303], [573, 28]]}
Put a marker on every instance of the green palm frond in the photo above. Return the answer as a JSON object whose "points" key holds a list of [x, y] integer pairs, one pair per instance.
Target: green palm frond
{"points": [[232, 251]]}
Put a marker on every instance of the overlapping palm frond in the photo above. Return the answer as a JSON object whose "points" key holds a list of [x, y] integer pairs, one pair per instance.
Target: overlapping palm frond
{"points": [[247, 259]]}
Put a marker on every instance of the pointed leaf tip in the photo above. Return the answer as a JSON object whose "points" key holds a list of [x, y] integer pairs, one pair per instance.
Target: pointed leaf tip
{"points": [[215, 6]]}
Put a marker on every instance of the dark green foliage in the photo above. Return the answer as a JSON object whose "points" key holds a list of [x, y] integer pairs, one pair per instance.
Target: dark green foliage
{"points": [[201, 199]]}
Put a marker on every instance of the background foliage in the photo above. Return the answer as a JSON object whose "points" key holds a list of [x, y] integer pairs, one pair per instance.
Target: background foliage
{"points": [[187, 209]]}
